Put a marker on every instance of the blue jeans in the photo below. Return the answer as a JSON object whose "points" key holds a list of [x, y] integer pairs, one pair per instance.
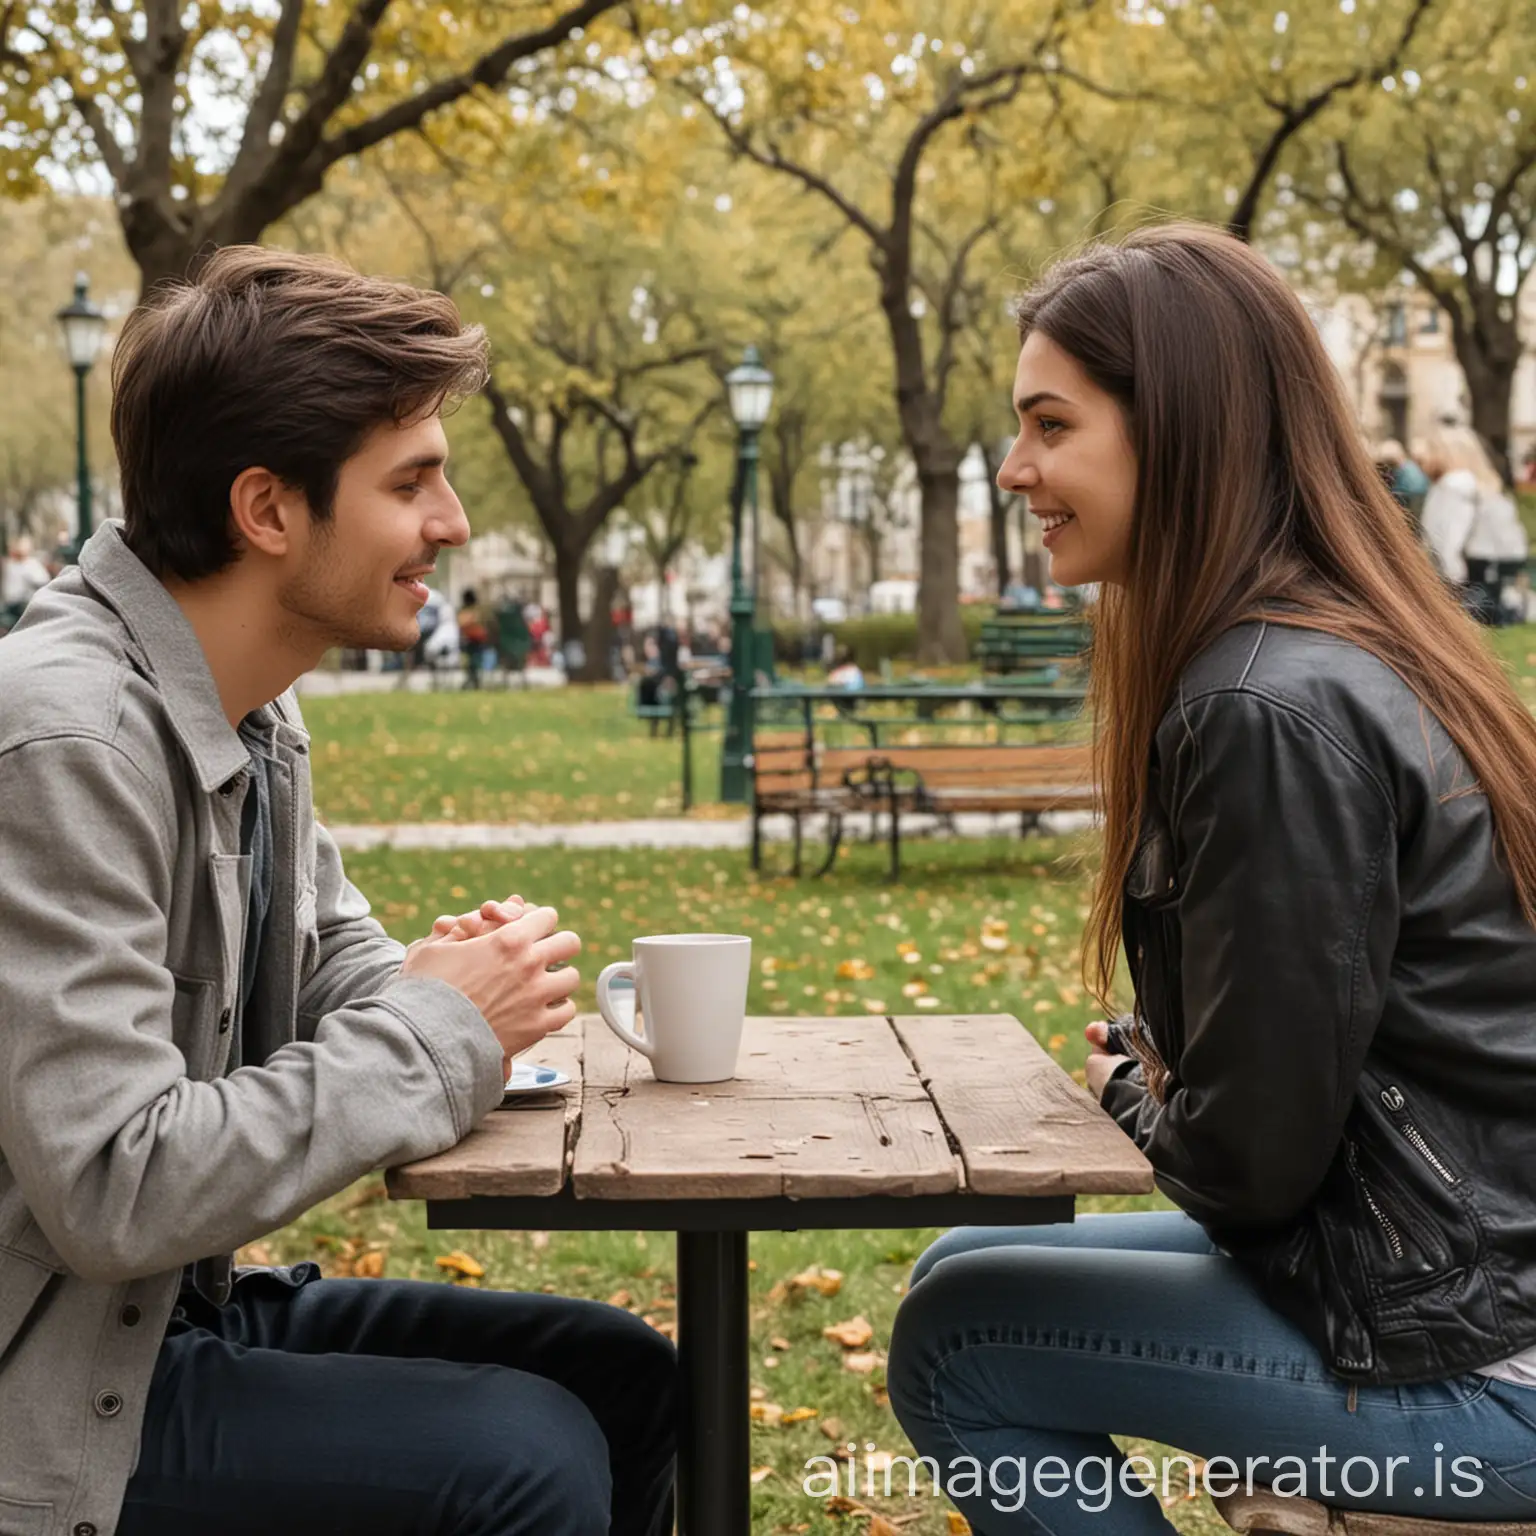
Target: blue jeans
{"points": [[1016, 1345], [318, 1407]]}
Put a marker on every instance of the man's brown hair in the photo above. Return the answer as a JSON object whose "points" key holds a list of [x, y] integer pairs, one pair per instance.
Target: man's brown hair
{"points": [[268, 359]]}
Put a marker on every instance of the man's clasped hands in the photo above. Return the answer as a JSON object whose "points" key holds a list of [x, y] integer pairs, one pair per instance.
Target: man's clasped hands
{"points": [[500, 957]]}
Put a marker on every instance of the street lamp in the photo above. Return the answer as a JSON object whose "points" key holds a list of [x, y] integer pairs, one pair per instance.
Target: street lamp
{"points": [[84, 326], [750, 388]]}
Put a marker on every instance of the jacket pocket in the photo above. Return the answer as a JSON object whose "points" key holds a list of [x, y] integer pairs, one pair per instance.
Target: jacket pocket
{"points": [[23, 1280], [21, 1517]]}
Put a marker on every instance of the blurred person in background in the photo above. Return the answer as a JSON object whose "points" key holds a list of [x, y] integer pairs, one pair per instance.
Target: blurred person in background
{"points": [[474, 636], [1471, 526], [22, 575], [1405, 479]]}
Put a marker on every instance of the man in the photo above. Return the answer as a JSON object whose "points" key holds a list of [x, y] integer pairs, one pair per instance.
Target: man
{"points": [[202, 1030]]}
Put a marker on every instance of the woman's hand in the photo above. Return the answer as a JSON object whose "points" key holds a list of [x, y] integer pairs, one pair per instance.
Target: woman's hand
{"points": [[1100, 1066]]}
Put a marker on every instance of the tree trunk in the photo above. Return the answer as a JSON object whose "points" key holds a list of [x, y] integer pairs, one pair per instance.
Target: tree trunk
{"points": [[940, 635], [1490, 382], [599, 632], [568, 560]]}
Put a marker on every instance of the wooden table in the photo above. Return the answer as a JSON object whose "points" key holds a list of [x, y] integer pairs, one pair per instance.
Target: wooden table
{"points": [[831, 1123]]}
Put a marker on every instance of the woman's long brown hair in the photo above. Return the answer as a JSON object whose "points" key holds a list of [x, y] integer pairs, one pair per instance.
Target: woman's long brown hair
{"points": [[1253, 491]]}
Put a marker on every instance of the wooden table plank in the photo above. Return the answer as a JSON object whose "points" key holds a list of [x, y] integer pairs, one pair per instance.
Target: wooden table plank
{"points": [[822, 1108], [780, 1058], [1022, 1125], [523, 1149]]}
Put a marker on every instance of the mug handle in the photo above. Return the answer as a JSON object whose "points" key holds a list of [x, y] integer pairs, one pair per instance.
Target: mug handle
{"points": [[605, 982]]}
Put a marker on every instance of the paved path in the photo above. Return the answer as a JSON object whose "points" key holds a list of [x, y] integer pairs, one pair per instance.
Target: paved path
{"points": [[675, 833]]}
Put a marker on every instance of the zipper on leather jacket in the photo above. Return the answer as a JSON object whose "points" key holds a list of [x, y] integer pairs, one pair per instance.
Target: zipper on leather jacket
{"points": [[1397, 1107], [1387, 1225]]}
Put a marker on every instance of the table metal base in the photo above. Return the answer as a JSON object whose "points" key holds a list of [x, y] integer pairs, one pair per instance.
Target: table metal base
{"points": [[714, 1432], [714, 1488]]}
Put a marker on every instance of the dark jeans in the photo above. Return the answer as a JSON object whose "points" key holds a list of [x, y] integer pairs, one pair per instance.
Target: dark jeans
{"points": [[404, 1408]]}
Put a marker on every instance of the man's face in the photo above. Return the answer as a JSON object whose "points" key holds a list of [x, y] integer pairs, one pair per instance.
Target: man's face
{"points": [[357, 578]]}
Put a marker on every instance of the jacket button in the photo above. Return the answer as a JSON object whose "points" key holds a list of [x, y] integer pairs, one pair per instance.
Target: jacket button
{"points": [[108, 1403], [129, 1316], [224, 1021], [85, 1528]]}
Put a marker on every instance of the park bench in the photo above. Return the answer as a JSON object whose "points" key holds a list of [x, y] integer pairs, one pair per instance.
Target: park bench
{"points": [[1021, 643], [1263, 1513], [798, 776]]}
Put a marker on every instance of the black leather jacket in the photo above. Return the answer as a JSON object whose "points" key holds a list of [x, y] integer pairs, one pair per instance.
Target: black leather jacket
{"points": [[1334, 966]]}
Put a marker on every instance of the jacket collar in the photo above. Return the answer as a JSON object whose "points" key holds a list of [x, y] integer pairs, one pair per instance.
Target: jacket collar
{"points": [[170, 649]]}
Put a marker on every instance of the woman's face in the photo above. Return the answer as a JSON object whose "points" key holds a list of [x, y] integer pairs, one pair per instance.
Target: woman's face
{"points": [[1074, 461]]}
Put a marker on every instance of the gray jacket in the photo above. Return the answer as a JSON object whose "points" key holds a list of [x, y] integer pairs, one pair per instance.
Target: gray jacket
{"points": [[125, 1149]]}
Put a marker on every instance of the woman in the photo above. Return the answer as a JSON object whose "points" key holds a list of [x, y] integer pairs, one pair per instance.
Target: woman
{"points": [[1319, 850], [1472, 528]]}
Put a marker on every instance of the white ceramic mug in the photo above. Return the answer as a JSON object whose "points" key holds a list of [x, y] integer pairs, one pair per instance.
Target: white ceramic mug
{"points": [[692, 991]]}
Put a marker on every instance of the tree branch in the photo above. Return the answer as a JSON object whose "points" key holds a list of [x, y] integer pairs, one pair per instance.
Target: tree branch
{"points": [[164, 40], [266, 108], [490, 70]]}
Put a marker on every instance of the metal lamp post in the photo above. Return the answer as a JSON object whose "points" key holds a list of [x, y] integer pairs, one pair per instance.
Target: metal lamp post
{"points": [[84, 326], [750, 388]]}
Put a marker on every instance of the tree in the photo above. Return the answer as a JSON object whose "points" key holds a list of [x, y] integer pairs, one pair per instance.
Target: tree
{"points": [[1438, 178], [855, 113], [312, 83], [1259, 78]]}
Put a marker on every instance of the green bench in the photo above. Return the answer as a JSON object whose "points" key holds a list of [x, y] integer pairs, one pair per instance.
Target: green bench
{"points": [[1016, 644]]}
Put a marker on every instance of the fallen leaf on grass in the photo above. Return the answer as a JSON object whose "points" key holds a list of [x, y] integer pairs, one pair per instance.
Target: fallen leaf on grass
{"points": [[766, 1413], [853, 1334], [831, 1428], [828, 1281], [461, 1263], [880, 1526], [841, 1504], [958, 1524], [620, 1299], [799, 1415], [759, 1474], [370, 1266], [856, 969], [779, 1344], [863, 1363]]}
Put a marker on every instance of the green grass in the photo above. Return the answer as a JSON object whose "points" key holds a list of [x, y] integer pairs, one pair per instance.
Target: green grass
{"points": [[990, 926], [545, 755]]}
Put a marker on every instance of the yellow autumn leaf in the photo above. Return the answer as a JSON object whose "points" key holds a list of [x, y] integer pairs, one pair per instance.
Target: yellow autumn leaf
{"points": [[759, 1474], [857, 969], [461, 1263], [855, 1333], [874, 1005], [1057, 1041], [914, 989], [370, 1266], [958, 1524], [800, 1415]]}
